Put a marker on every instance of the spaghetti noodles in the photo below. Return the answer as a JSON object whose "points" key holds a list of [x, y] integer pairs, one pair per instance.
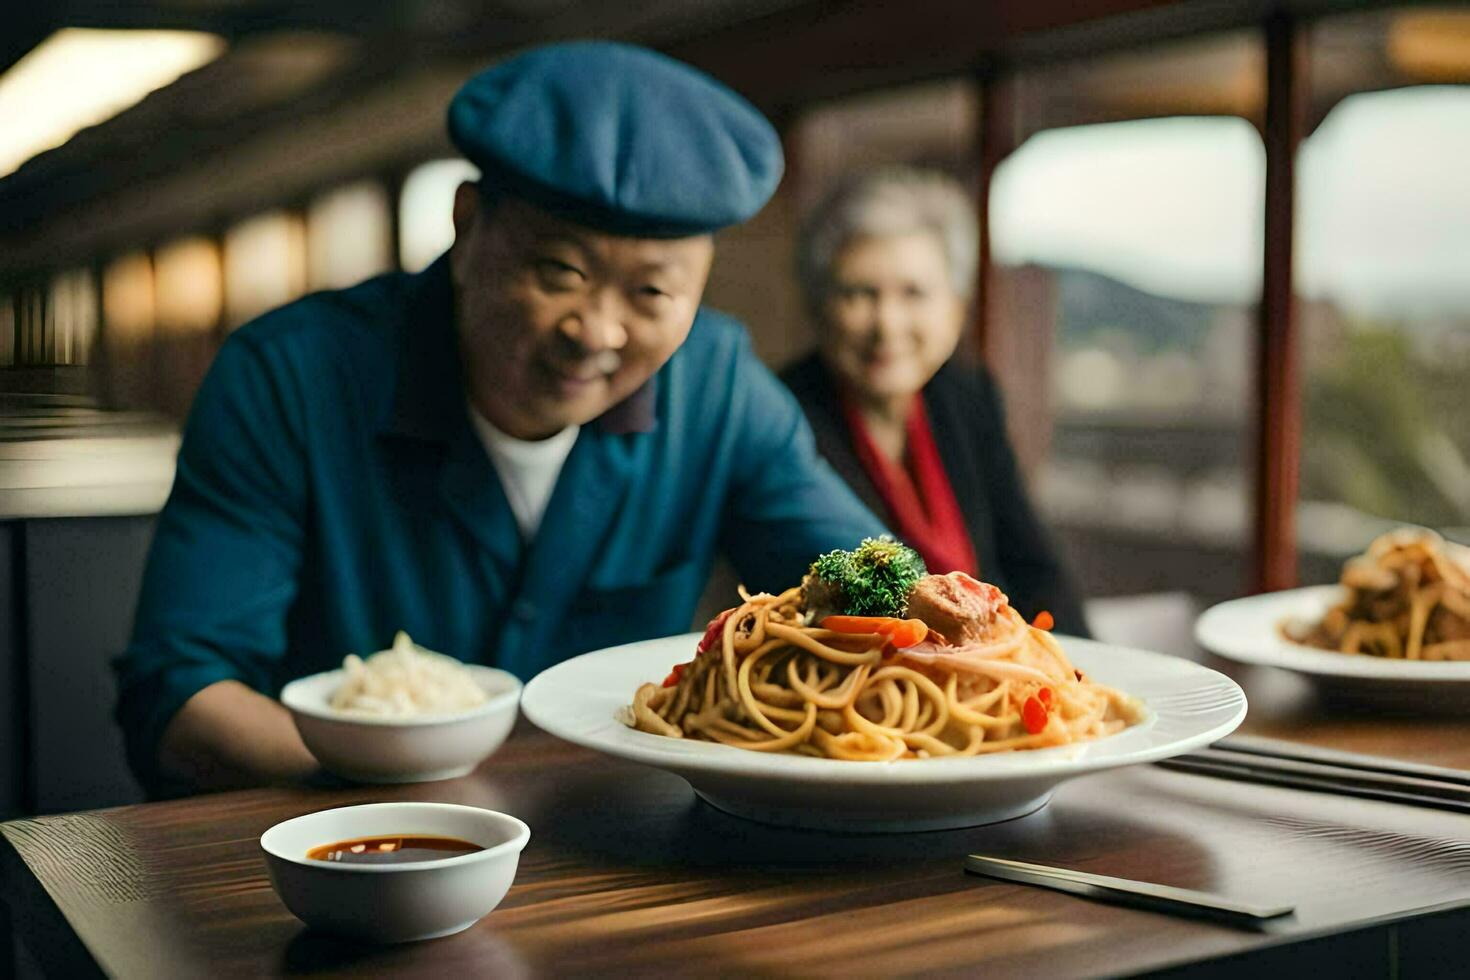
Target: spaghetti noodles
{"points": [[766, 679], [1408, 598]]}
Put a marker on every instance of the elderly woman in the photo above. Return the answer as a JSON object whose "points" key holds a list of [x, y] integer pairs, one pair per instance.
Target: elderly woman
{"points": [[887, 264]]}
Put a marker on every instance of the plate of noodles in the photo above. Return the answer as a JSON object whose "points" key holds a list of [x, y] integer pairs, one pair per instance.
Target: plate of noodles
{"points": [[875, 696], [1397, 623]]}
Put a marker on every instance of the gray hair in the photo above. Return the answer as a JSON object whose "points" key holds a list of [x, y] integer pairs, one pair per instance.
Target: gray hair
{"points": [[885, 203]]}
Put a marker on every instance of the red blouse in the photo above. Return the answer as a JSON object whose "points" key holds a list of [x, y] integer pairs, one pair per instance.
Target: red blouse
{"points": [[917, 492]]}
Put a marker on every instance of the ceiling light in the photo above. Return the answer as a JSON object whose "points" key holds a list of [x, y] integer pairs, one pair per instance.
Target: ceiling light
{"points": [[79, 77]]}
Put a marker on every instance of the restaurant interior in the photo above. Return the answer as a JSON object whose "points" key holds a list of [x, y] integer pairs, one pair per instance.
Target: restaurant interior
{"points": [[1223, 286]]}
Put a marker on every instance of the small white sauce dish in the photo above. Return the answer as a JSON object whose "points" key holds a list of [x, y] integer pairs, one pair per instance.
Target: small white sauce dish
{"points": [[394, 903], [418, 749]]}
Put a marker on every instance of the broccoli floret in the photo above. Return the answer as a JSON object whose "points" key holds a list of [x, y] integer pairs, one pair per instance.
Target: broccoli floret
{"points": [[886, 572], [872, 580]]}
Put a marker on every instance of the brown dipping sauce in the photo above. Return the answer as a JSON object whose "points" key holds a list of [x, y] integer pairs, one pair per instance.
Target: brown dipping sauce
{"points": [[392, 850]]}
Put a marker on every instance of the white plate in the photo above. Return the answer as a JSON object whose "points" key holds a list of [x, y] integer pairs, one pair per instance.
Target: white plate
{"points": [[1188, 706], [1249, 631]]}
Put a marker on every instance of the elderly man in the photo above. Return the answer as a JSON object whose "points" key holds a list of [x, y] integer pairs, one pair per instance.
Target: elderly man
{"points": [[532, 449]]}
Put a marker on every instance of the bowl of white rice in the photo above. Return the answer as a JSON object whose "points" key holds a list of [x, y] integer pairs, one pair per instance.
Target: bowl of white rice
{"points": [[403, 715]]}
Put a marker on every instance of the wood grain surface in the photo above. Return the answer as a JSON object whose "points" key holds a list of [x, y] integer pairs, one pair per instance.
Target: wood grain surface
{"points": [[628, 873]]}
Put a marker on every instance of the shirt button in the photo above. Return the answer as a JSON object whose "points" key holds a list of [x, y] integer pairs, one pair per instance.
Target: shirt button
{"points": [[524, 610]]}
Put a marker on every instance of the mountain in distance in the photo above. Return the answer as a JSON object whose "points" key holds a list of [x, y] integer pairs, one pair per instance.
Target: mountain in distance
{"points": [[1092, 307]]}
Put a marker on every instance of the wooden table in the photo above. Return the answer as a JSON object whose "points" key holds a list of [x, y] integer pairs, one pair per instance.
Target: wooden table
{"points": [[628, 873], [1286, 706]]}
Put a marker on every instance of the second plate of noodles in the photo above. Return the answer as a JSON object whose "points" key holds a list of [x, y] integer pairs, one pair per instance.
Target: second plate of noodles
{"points": [[1407, 597], [1395, 631]]}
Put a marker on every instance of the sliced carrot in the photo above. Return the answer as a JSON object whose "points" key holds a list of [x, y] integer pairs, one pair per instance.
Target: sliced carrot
{"points": [[899, 632], [859, 624], [908, 632], [1044, 621]]}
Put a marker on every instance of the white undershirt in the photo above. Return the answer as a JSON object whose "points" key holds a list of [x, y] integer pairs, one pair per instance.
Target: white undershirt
{"points": [[528, 470]]}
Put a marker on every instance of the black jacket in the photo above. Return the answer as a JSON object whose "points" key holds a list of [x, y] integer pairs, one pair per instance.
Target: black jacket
{"points": [[1015, 552]]}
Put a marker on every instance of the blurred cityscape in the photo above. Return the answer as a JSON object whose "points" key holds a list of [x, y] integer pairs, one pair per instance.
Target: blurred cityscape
{"points": [[1138, 267], [1152, 428]]}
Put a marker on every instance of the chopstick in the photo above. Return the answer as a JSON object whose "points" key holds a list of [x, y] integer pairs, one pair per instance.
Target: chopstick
{"points": [[1368, 780], [1123, 891], [1279, 749]]}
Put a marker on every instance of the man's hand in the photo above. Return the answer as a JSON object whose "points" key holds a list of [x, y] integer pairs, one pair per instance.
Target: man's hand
{"points": [[228, 736]]}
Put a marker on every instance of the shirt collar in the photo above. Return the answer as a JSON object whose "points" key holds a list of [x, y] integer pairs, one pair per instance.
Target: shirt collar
{"points": [[429, 396]]}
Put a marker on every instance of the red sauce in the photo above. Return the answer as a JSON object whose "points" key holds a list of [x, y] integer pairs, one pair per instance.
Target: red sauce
{"points": [[396, 849]]}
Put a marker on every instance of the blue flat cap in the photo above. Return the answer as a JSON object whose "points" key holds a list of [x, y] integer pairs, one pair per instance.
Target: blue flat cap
{"points": [[618, 138]]}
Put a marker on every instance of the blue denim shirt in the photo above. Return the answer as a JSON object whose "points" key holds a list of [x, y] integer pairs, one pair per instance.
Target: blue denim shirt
{"points": [[331, 490]]}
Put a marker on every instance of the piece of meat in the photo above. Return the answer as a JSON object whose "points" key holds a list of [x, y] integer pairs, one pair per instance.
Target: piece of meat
{"points": [[956, 606], [821, 598]]}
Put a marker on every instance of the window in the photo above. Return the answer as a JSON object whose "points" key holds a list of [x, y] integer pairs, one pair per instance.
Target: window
{"points": [[7, 330], [426, 211], [1383, 283], [30, 333], [129, 322], [72, 317], [128, 311], [264, 265], [348, 236], [1127, 258], [188, 287]]}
